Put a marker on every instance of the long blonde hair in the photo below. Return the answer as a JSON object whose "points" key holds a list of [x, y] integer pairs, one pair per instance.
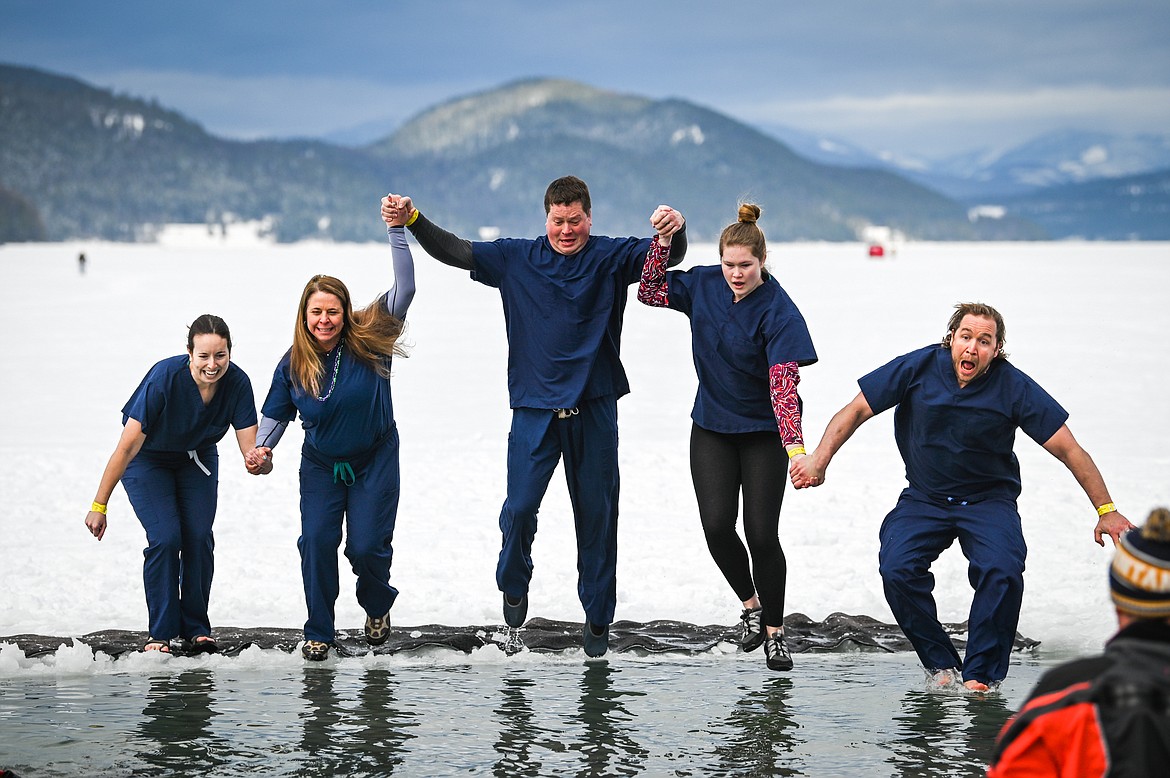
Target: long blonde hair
{"points": [[371, 334]]}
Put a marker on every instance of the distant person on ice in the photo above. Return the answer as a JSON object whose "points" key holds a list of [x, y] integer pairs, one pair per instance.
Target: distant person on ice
{"points": [[167, 461], [749, 341], [1107, 714], [958, 407], [336, 376], [564, 297]]}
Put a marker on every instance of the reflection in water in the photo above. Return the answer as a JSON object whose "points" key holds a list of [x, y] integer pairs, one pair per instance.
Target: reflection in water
{"points": [[652, 716], [175, 724], [946, 734], [760, 733], [346, 736], [519, 732], [608, 746]]}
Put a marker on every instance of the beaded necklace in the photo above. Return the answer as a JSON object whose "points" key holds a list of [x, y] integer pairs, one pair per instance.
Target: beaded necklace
{"points": [[336, 369]]}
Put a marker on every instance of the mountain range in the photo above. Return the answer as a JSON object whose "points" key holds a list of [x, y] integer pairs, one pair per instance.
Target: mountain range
{"points": [[81, 162], [1053, 159]]}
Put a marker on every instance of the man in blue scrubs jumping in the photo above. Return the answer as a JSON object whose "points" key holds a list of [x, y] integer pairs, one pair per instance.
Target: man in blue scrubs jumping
{"points": [[958, 407], [564, 297]]}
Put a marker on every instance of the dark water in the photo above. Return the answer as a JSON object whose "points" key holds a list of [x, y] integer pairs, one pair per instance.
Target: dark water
{"points": [[835, 715]]}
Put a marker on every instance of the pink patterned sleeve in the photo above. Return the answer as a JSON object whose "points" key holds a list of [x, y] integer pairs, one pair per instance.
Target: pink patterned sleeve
{"points": [[783, 380], [652, 287]]}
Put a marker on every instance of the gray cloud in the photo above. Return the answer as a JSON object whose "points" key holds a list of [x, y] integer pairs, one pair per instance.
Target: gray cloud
{"points": [[905, 74]]}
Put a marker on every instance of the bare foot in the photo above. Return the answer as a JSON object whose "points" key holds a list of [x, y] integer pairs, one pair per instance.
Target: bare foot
{"points": [[943, 679], [976, 686]]}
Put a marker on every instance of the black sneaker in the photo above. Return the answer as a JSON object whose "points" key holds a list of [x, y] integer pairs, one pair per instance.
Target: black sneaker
{"points": [[777, 652], [596, 639], [515, 610], [751, 634]]}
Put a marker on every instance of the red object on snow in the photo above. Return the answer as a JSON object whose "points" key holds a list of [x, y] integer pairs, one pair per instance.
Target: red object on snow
{"points": [[877, 251]]}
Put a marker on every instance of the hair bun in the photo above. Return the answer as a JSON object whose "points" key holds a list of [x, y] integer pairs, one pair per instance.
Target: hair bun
{"points": [[749, 213]]}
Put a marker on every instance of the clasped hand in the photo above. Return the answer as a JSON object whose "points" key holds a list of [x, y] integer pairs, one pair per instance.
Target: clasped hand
{"points": [[396, 209], [666, 222]]}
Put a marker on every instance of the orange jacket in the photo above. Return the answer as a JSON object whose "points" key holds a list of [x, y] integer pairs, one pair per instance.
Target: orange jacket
{"points": [[1095, 717]]}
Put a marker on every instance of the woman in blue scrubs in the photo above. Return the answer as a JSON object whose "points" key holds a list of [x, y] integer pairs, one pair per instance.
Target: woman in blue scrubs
{"points": [[337, 377], [168, 463], [749, 341]]}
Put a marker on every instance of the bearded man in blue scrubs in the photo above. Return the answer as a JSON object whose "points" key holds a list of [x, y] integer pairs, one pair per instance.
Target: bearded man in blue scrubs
{"points": [[564, 297], [959, 404]]}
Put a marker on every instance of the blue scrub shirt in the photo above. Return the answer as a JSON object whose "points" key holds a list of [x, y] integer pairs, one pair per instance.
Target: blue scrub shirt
{"points": [[355, 417], [563, 315], [171, 411], [957, 443], [734, 346]]}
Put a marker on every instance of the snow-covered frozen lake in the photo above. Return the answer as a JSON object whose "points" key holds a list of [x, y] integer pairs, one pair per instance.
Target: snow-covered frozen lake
{"points": [[1082, 319]]}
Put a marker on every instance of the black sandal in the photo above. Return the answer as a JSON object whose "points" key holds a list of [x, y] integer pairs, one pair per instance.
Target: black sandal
{"points": [[203, 644], [164, 646]]}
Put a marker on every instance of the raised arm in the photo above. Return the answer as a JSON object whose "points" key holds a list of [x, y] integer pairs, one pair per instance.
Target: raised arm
{"points": [[129, 444], [400, 295], [652, 288], [810, 470], [672, 231], [444, 246], [1064, 447]]}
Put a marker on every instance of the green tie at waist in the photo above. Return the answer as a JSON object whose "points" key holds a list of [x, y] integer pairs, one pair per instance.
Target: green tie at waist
{"points": [[343, 471]]}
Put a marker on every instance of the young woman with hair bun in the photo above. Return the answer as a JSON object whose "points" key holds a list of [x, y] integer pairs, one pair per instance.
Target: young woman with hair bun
{"points": [[749, 341]]}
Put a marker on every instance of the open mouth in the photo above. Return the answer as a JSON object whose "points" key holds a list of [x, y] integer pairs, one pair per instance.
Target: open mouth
{"points": [[967, 365]]}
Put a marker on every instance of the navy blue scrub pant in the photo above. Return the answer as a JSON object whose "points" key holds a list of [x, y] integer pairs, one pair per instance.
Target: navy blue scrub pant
{"points": [[588, 443], [175, 501], [365, 496], [913, 535]]}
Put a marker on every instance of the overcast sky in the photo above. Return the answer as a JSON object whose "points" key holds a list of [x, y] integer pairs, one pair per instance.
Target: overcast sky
{"points": [[915, 77]]}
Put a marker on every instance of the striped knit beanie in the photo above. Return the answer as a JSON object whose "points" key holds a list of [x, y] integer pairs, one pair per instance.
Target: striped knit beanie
{"points": [[1139, 578]]}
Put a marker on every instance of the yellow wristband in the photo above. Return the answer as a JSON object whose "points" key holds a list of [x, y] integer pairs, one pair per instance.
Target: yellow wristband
{"points": [[796, 451], [97, 506], [413, 216], [1106, 508]]}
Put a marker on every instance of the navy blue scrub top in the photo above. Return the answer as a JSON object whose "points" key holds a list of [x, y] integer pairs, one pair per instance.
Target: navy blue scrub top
{"points": [[171, 411], [563, 315], [734, 345], [957, 443], [355, 417]]}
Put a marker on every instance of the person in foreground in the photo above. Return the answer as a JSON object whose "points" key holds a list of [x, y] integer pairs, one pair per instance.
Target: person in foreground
{"points": [[168, 463], [564, 297], [958, 407], [1108, 714], [336, 376], [749, 341]]}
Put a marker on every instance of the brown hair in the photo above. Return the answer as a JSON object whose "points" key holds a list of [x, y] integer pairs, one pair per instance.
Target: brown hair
{"points": [[208, 324], [567, 190], [370, 334], [744, 232], [977, 309]]}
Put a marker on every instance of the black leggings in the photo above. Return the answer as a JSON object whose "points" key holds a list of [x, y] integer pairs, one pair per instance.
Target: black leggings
{"points": [[721, 463]]}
